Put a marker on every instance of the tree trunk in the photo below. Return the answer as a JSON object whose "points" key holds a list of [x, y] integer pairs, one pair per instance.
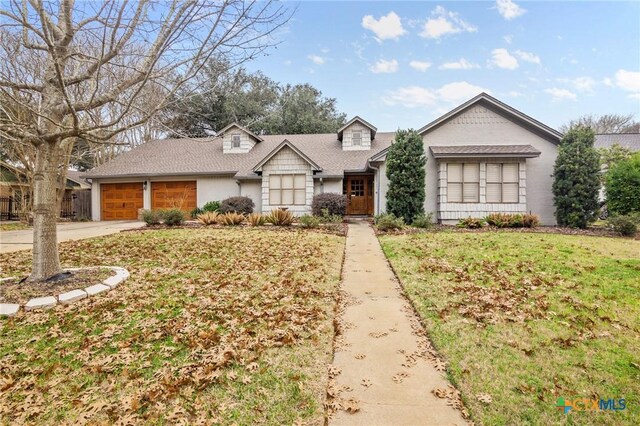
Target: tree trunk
{"points": [[46, 261]]}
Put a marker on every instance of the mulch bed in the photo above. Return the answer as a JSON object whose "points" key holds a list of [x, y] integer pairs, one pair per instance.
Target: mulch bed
{"points": [[15, 291], [328, 228], [592, 232]]}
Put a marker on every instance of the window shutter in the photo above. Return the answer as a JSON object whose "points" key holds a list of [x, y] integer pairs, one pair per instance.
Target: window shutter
{"points": [[299, 181], [454, 172], [493, 192], [471, 172], [493, 173], [470, 193], [510, 172], [454, 193], [510, 192]]}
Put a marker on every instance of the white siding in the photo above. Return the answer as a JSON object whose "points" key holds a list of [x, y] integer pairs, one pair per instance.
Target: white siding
{"points": [[246, 141], [327, 185], [481, 126], [216, 188], [253, 190], [286, 162], [347, 137], [380, 200]]}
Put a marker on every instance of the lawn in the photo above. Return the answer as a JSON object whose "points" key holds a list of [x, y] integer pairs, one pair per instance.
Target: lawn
{"points": [[529, 318], [14, 226], [231, 326]]}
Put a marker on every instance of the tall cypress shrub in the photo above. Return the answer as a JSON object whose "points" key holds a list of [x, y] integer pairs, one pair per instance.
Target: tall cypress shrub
{"points": [[576, 179], [406, 174]]}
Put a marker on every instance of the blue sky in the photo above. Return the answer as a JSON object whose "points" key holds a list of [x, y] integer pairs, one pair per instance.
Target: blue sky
{"points": [[402, 64]]}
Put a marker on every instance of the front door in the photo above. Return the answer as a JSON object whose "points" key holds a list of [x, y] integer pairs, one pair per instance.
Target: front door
{"points": [[359, 192]]}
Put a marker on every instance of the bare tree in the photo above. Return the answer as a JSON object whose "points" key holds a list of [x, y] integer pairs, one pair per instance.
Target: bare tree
{"points": [[59, 60], [608, 123]]}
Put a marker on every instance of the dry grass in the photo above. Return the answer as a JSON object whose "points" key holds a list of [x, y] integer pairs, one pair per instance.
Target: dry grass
{"points": [[529, 318], [14, 226], [214, 326]]}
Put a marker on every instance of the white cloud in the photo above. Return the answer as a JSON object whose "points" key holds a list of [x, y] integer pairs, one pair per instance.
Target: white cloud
{"points": [[421, 66], [502, 59], [288, 62], [443, 22], [462, 64], [316, 59], [509, 10], [459, 91], [387, 27], [629, 81], [528, 56], [385, 67], [508, 38], [515, 94], [608, 82], [581, 84], [561, 94], [417, 96]]}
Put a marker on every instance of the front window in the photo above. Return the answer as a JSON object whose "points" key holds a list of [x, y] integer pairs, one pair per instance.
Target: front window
{"points": [[287, 190], [463, 183], [357, 138], [502, 183], [235, 140]]}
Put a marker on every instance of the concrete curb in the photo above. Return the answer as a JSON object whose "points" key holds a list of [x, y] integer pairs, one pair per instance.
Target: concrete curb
{"points": [[69, 297]]}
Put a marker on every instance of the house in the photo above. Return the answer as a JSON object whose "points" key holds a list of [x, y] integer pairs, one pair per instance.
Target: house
{"points": [[630, 141], [484, 156]]}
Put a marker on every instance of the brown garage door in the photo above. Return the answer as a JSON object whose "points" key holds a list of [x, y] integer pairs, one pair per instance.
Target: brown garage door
{"points": [[168, 195], [121, 201]]}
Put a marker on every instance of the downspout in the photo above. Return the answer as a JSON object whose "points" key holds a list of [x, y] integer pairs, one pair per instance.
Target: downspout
{"points": [[239, 187]]}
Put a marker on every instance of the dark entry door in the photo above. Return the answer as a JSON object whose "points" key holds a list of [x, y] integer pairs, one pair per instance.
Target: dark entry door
{"points": [[359, 191]]}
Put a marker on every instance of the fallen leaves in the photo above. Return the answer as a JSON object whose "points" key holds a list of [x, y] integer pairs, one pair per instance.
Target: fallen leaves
{"points": [[198, 316]]}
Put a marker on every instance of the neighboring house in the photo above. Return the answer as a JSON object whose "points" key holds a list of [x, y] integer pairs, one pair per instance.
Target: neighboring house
{"points": [[631, 141], [482, 157]]}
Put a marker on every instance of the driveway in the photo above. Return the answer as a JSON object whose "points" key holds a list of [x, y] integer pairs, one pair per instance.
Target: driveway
{"points": [[22, 240]]}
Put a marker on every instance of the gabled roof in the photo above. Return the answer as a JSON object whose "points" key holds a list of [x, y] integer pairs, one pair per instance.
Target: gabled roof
{"points": [[74, 176], [518, 151], [286, 143], [631, 141], [504, 109], [247, 131], [370, 126]]}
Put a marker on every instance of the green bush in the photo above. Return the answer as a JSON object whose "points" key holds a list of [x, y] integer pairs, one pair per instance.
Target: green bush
{"points": [[623, 186], [172, 217], [423, 221], [326, 217], [499, 220], [196, 212], [211, 206], [576, 174], [388, 222], [510, 220], [624, 225], [471, 223], [151, 217], [329, 204], [406, 174], [308, 221], [242, 205]]}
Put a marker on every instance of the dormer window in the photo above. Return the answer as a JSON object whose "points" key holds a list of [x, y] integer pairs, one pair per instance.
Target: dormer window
{"points": [[235, 140], [357, 138]]}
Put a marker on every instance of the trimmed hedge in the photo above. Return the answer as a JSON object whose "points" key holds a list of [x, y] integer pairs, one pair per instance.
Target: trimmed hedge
{"points": [[243, 205], [329, 204]]}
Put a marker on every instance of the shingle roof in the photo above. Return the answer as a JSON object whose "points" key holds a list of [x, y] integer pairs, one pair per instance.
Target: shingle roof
{"points": [[75, 176], [484, 151], [204, 156], [630, 141]]}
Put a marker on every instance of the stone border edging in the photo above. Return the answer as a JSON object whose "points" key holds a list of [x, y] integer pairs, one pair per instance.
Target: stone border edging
{"points": [[72, 296]]}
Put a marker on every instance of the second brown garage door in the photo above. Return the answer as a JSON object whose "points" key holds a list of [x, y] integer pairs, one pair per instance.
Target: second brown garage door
{"points": [[121, 201], [168, 195]]}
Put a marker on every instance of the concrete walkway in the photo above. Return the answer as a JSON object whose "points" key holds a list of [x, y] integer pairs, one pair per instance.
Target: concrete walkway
{"points": [[383, 362], [11, 241]]}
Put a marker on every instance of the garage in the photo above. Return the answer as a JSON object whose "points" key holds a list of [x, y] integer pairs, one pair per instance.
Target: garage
{"points": [[178, 194], [121, 201]]}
